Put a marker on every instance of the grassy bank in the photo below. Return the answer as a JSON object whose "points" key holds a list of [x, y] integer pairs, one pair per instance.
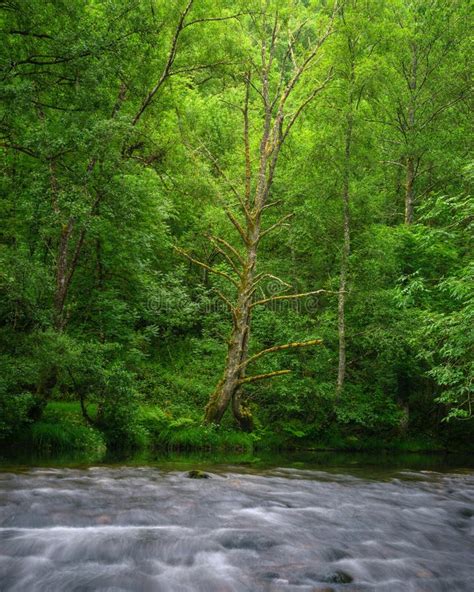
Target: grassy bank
{"points": [[63, 429]]}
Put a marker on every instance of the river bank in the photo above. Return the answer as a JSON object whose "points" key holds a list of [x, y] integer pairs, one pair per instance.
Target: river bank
{"points": [[63, 430]]}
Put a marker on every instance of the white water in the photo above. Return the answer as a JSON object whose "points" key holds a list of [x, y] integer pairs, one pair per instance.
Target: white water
{"points": [[142, 529]]}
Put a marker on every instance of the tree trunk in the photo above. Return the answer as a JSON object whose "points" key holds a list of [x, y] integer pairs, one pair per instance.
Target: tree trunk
{"points": [[410, 190], [341, 373], [229, 388], [62, 272], [411, 122]]}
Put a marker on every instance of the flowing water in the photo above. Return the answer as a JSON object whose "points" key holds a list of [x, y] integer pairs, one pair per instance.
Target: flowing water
{"points": [[300, 527]]}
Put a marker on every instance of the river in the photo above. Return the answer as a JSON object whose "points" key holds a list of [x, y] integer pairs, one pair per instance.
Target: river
{"points": [[287, 525]]}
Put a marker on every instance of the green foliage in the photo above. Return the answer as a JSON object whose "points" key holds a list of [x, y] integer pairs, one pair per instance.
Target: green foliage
{"points": [[102, 177], [377, 412], [187, 433], [118, 413], [446, 333], [62, 429], [14, 414], [61, 437]]}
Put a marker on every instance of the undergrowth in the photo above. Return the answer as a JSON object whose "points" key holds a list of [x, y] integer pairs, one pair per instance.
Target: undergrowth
{"points": [[63, 428]]}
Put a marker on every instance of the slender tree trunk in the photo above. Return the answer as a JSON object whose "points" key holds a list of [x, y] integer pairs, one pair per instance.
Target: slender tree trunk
{"points": [[100, 286], [62, 270], [346, 247], [410, 159], [65, 268], [410, 190]]}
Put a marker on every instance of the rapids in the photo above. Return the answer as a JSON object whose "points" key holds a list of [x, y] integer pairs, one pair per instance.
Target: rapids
{"points": [[280, 529]]}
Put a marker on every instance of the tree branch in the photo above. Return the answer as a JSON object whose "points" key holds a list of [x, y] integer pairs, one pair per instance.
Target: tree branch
{"points": [[263, 376], [291, 296], [229, 259], [229, 305], [444, 107], [248, 173], [213, 19], [237, 225], [276, 348], [273, 226], [228, 181], [272, 204], [306, 63], [168, 65], [305, 103], [229, 246], [263, 276], [18, 148], [31, 34], [208, 267]]}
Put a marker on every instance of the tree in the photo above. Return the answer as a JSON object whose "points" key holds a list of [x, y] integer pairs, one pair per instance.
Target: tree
{"points": [[350, 39], [80, 84], [275, 77], [77, 171], [424, 87]]}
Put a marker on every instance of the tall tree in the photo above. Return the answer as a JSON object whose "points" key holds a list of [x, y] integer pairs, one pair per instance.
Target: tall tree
{"points": [[425, 86], [79, 84], [348, 78], [356, 58], [275, 76]]}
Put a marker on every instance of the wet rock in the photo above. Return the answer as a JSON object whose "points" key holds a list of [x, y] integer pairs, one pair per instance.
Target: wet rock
{"points": [[247, 540], [467, 512], [196, 474], [270, 575], [338, 577]]}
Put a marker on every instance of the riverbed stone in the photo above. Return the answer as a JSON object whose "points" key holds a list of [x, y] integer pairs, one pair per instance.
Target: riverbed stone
{"points": [[338, 577], [197, 474]]}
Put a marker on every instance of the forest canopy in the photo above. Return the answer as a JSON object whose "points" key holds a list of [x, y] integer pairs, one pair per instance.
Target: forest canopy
{"points": [[246, 223]]}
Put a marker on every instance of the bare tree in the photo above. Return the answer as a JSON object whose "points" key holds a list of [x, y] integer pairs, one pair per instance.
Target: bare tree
{"points": [[273, 80]]}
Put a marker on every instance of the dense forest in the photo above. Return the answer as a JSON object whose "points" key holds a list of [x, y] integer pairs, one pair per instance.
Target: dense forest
{"points": [[233, 224]]}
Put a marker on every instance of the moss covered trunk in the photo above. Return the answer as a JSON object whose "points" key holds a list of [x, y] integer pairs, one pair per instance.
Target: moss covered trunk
{"points": [[229, 388]]}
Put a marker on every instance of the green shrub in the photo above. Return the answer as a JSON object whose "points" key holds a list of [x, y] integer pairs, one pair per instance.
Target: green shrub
{"points": [[14, 414], [64, 436], [186, 433], [119, 413]]}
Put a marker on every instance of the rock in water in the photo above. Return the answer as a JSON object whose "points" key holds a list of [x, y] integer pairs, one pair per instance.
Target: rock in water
{"points": [[338, 577], [195, 474]]}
